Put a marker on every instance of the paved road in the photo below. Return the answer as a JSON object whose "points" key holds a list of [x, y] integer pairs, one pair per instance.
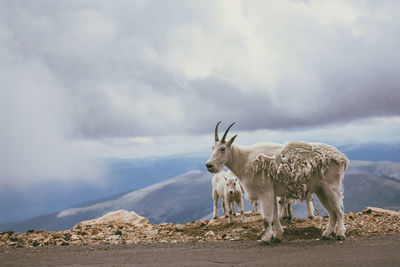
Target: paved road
{"points": [[376, 251]]}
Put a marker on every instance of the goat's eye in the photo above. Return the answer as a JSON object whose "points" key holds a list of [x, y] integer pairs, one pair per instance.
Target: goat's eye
{"points": [[234, 184]]}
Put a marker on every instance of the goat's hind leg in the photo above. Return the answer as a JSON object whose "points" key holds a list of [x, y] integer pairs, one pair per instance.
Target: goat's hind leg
{"points": [[278, 227], [310, 207], [330, 229], [335, 198]]}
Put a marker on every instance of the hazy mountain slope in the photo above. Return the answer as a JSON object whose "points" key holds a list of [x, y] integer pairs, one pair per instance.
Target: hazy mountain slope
{"points": [[369, 190], [384, 169], [173, 200], [121, 176]]}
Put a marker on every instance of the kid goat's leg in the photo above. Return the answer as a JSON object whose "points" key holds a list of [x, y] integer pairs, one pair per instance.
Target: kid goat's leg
{"points": [[224, 207], [215, 198], [239, 204]]}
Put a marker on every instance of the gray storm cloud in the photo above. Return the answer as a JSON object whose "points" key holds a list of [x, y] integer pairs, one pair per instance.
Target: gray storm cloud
{"points": [[79, 70]]}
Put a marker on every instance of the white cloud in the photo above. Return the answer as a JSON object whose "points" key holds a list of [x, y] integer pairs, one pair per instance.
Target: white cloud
{"points": [[84, 79]]}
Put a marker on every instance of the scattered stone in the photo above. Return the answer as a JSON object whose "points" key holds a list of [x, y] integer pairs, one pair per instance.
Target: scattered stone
{"points": [[210, 233], [179, 227], [118, 232]]}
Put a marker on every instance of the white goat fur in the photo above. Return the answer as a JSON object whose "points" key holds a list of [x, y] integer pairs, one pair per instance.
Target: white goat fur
{"points": [[227, 187], [293, 170]]}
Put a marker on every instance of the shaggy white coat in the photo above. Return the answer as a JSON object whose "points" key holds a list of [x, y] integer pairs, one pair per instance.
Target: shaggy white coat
{"points": [[227, 187]]}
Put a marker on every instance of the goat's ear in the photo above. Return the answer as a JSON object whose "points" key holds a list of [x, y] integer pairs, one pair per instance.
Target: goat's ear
{"points": [[231, 140]]}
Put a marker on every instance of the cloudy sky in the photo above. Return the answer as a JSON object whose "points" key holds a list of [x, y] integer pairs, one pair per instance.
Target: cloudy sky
{"points": [[86, 80]]}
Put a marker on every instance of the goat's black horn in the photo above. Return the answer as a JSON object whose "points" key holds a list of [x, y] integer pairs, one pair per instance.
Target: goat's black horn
{"points": [[216, 132], [226, 132]]}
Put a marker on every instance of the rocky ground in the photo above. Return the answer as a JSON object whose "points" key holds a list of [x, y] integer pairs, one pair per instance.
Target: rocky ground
{"points": [[124, 227]]}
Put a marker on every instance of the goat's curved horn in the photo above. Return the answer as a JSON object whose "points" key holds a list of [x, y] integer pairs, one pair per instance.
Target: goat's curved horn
{"points": [[216, 132], [226, 132]]}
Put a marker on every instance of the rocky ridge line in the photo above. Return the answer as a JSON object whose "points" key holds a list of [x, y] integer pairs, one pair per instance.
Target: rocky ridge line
{"points": [[124, 227]]}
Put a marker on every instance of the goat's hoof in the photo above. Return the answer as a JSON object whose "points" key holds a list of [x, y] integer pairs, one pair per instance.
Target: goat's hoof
{"points": [[278, 237], [276, 240], [340, 237], [310, 217], [324, 237], [263, 243], [215, 217], [226, 216]]}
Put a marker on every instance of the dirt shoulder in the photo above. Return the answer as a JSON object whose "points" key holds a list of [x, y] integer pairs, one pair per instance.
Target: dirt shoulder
{"points": [[371, 251], [373, 238]]}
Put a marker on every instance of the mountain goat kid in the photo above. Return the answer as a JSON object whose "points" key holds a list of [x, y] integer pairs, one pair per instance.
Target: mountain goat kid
{"points": [[227, 187], [293, 170]]}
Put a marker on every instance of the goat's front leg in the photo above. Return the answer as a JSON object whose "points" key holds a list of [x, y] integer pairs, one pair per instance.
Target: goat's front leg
{"points": [[267, 203], [215, 198], [224, 206], [240, 207], [255, 206], [278, 227], [310, 208], [230, 209]]}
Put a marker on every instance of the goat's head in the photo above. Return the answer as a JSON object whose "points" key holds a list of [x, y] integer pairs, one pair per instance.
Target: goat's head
{"points": [[220, 151], [230, 185]]}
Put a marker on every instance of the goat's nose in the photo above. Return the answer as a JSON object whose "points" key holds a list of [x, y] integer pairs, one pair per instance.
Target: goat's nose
{"points": [[231, 192], [209, 165]]}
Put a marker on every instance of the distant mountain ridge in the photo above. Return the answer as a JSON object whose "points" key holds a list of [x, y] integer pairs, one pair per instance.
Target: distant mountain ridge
{"points": [[188, 198], [126, 175], [372, 151]]}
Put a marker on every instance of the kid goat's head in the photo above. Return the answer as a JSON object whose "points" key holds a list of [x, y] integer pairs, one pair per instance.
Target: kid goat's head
{"points": [[220, 151], [230, 185]]}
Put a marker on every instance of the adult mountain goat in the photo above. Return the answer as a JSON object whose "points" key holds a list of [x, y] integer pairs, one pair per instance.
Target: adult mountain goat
{"points": [[292, 170]]}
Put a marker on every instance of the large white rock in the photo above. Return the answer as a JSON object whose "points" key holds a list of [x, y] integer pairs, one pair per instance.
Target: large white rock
{"points": [[120, 217]]}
